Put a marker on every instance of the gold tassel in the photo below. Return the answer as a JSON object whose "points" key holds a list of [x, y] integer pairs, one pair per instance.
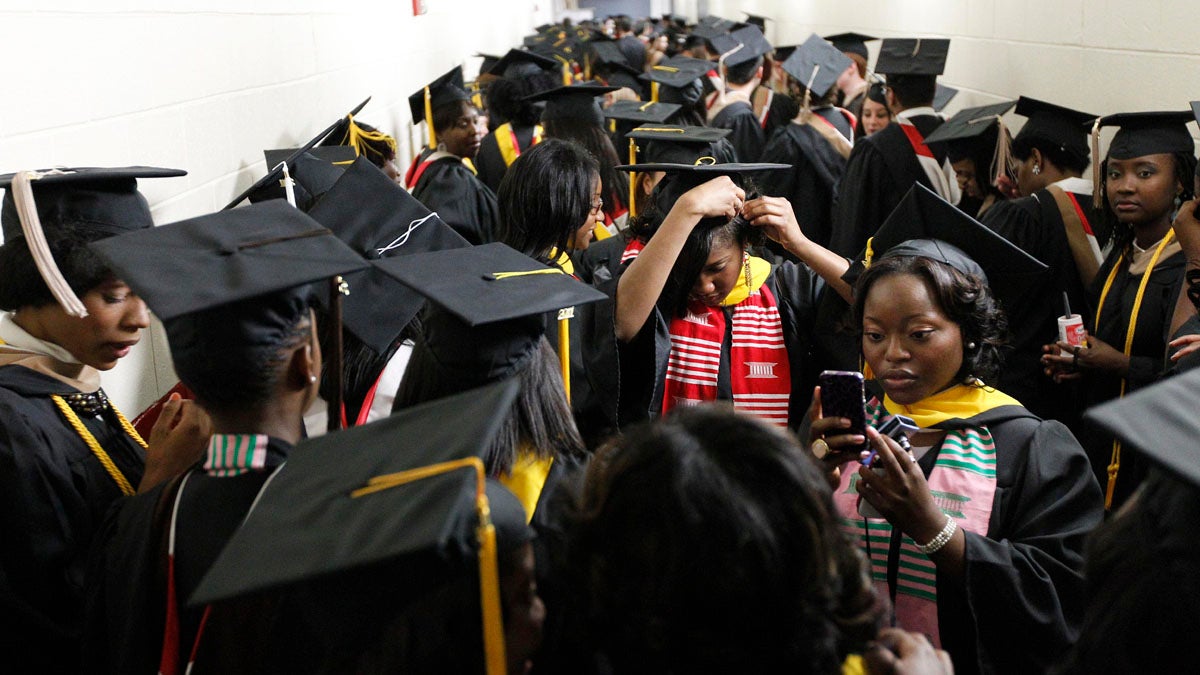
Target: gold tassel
{"points": [[632, 180], [654, 92], [1003, 163], [429, 119]]}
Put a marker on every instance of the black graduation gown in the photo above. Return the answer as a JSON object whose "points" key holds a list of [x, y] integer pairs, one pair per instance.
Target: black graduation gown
{"points": [[127, 576], [747, 134], [881, 170], [643, 360], [811, 184], [489, 162], [53, 496], [1021, 603], [464, 203], [1035, 225], [600, 266], [1147, 355]]}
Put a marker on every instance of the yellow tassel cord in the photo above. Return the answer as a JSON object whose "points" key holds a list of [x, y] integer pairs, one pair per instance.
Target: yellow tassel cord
{"points": [[633, 177], [90, 440], [429, 119], [497, 276], [566, 70], [489, 570], [364, 142], [870, 253], [654, 92], [1114, 464], [564, 347]]}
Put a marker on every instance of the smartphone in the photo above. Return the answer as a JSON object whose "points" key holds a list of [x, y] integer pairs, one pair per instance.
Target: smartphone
{"points": [[842, 395]]}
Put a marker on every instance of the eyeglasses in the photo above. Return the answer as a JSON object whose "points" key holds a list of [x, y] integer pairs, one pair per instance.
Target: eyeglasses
{"points": [[598, 204]]}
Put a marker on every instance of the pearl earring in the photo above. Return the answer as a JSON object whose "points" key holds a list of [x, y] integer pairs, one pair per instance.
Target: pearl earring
{"points": [[1037, 169], [970, 345], [312, 379]]}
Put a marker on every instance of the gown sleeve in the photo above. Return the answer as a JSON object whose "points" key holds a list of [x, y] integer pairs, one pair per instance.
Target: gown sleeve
{"points": [[859, 209], [1024, 587]]}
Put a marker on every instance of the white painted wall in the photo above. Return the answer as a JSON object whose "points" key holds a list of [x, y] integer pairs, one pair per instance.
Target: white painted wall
{"points": [[1102, 56], [206, 85]]}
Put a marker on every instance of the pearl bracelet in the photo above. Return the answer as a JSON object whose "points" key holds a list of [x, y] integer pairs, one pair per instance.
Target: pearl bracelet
{"points": [[934, 545]]}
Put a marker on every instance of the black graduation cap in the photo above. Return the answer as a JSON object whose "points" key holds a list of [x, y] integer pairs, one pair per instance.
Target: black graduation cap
{"points": [[397, 500], [852, 43], [312, 173], [275, 173], [748, 44], [1064, 127], [225, 257], [1196, 111], [712, 26], [608, 55], [756, 20], [912, 56], [105, 199], [488, 63], [942, 95], [674, 144], [679, 71], [492, 302], [1149, 133], [577, 101], [535, 41], [683, 177], [817, 64], [969, 123], [101, 200], [641, 111], [782, 53], [1160, 422], [379, 219], [521, 63], [447, 88], [924, 224]]}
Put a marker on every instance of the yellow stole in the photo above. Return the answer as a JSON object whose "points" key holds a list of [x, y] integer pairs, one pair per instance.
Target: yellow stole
{"points": [[958, 402], [759, 271], [527, 478]]}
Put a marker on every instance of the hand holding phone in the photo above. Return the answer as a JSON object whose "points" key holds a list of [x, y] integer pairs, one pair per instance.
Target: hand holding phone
{"points": [[842, 395]]}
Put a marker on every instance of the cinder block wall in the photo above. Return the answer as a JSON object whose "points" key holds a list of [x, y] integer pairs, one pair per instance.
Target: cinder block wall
{"points": [[206, 85], [1101, 56]]}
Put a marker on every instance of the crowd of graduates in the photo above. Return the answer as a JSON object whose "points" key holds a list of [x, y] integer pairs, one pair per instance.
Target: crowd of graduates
{"points": [[672, 350]]}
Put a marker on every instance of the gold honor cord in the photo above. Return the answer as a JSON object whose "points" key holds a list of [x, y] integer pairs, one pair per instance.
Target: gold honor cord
{"points": [[90, 441], [1114, 464], [489, 571]]}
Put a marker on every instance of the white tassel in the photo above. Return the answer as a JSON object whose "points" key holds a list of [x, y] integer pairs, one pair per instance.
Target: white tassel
{"points": [[35, 236]]}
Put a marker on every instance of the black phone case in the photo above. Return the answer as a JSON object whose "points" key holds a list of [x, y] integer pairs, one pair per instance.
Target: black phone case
{"points": [[842, 396]]}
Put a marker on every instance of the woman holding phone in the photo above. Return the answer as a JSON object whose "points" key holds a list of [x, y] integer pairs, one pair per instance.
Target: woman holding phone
{"points": [[981, 537]]}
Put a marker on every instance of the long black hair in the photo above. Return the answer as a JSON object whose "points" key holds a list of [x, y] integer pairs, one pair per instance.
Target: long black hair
{"points": [[614, 185], [545, 197]]}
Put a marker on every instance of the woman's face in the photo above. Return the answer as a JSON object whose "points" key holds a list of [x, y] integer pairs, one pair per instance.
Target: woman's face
{"points": [[914, 349], [720, 273], [583, 234], [964, 170], [524, 612], [660, 43], [1141, 190], [463, 137], [114, 324], [875, 116]]}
